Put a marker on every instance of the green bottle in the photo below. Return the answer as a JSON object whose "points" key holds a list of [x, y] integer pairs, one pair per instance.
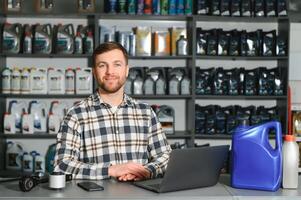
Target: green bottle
{"points": [[164, 7], [188, 7], [132, 7]]}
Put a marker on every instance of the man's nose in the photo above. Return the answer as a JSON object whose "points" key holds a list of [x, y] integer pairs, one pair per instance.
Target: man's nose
{"points": [[109, 69]]}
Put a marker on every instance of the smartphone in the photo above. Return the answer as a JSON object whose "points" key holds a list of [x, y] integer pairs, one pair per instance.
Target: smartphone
{"points": [[90, 186]]}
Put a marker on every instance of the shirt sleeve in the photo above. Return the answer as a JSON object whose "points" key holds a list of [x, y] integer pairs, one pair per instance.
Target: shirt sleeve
{"points": [[67, 158], [158, 148]]}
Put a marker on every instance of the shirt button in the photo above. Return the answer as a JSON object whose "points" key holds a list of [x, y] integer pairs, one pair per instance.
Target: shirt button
{"points": [[117, 131]]}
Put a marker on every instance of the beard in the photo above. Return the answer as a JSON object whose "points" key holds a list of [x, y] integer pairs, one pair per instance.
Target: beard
{"points": [[112, 88]]}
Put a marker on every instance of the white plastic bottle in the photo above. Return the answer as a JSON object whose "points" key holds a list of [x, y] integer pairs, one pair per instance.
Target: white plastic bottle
{"points": [[27, 162], [16, 81], [27, 124], [83, 81], [53, 123], [9, 123], [290, 152], [39, 163], [25, 81], [6, 81], [14, 154], [56, 81], [70, 81], [37, 110]]}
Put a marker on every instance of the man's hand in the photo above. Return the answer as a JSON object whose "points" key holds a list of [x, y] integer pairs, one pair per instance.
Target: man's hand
{"points": [[129, 171]]}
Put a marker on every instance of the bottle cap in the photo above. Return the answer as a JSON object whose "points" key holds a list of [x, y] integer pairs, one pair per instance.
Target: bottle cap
{"points": [[289, 138]]}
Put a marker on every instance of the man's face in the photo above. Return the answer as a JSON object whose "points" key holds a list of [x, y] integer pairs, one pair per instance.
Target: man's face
{"points": [[110, 70]]}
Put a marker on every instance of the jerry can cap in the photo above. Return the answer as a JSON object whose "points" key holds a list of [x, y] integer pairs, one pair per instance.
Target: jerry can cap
{"points": [[289, 138]]}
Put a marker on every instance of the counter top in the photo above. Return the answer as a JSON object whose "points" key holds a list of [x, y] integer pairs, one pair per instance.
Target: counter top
{"points": [[125, 190]]}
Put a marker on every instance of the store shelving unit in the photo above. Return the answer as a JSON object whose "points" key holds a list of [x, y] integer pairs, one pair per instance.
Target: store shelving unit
{"points": [[188, 134]]}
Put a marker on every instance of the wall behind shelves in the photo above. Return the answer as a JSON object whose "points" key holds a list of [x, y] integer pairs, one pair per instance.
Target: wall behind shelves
{"points": [[295, 60]]}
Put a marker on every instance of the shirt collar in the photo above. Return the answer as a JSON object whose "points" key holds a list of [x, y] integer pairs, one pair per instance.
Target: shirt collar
{"points": [[97, 100]]}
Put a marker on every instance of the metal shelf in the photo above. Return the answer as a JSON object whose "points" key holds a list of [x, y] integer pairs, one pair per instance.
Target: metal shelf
{"points": [[161, 96], [35, 96], [159, 57], [205, 57], [179, 135], [145, 17], [28, 136], [49, 15], [21, 55], [207, 18], [215, 136], [244, 97]]}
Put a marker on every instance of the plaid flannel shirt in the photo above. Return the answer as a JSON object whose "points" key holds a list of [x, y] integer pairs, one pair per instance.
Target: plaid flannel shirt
{"points": [[92, 138]]}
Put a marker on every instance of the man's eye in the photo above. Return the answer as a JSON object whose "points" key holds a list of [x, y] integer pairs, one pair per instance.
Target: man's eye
{"points": [[117, 65], [101, 66]]}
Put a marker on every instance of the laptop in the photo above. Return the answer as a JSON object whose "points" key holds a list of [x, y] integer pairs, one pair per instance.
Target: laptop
{"points": [[189, 168]]}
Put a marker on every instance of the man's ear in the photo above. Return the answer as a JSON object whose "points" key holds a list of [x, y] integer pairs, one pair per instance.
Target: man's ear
{"points": [[127, 70]]}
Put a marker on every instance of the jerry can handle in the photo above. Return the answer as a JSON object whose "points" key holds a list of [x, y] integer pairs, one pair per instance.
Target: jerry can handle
{"points": [[277, 126]]}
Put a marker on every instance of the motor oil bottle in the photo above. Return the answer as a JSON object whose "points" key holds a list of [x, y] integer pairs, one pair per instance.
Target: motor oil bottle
{"points": [[290, 153], [27, 162], [132, 7], [65, 39], [149, 86], [89, 43], [156, 7], [83, 81], [161, 85], [250, 144], [16, 81], [27, 123], [180, 7], [25, 81], [58, 108], [166, 116], [42, 41], [70, 81], [78, 44], [17, 108], [6, 81], [12, 34], [185, 85], [39, 163], [128, 87], [188, 7], [38, 81], [53, 123], [14, 152], [138, 82], [50, 158], [27, 43], [56, 81], [182, 46], [37, 110], [9, 123]]}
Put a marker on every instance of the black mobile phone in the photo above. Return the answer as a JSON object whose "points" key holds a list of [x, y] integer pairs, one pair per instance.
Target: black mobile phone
{"points": [[90, 186]]}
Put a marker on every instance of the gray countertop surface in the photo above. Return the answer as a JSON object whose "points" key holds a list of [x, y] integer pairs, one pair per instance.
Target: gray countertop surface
{"points": [[125, 190]]}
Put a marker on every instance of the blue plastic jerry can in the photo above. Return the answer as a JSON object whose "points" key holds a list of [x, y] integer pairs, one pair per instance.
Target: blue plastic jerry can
{"points": [[256, 164]]}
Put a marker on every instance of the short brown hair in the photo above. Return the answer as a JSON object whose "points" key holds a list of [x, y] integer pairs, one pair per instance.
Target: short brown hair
{"points": [[109, 46]]}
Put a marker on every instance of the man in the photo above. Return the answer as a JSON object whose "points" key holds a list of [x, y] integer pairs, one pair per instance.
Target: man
{"points": [[109, 134]]}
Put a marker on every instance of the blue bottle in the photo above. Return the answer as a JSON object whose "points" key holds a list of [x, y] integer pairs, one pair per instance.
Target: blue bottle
{"points": [[172, 7], [256, 164]]}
